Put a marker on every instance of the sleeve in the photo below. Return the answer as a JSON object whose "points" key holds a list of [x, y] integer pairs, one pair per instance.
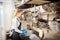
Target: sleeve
{"points": [[15, 26]]}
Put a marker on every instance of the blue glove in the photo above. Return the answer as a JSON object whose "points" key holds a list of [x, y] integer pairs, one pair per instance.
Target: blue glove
{"points": [[23, 32]]}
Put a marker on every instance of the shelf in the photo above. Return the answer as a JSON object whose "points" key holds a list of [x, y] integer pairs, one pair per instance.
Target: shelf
{"points": [[45, 13]]}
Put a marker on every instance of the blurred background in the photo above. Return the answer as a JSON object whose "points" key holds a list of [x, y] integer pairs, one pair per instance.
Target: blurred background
{"points": [[46, 9]]}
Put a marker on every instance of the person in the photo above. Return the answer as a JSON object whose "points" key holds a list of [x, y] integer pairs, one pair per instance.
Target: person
{"points": [[16, 25]]}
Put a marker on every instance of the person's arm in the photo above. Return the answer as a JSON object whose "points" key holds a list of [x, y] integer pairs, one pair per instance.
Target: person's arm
{"points": [[15, 26]]}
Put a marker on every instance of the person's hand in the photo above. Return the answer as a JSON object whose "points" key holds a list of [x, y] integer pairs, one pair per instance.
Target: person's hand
{"points": [[10, 34]]}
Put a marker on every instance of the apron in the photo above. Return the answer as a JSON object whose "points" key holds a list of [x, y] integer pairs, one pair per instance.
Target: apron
{"points": [[15, 35]]}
